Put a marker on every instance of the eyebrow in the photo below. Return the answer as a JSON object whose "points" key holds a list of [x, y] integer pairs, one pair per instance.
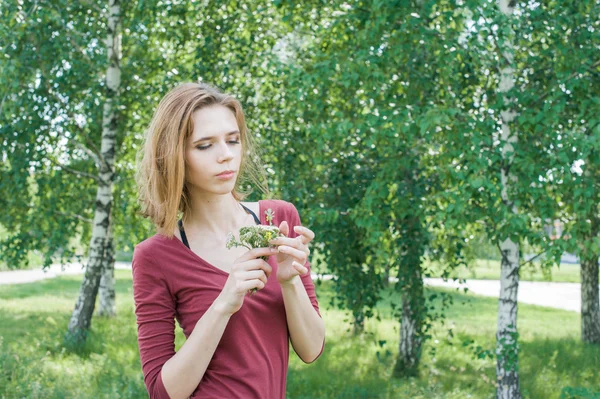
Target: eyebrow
{"points": [[212, 137]]}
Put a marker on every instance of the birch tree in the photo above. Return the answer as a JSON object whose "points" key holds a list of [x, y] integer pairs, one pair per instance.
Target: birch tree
{"points": [[558, 115], [507, 349], [100, 266], [107, 304], [513, 187], [47, 125]]}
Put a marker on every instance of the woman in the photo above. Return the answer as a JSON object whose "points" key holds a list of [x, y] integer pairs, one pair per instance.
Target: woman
{"points": [[236, 345]]}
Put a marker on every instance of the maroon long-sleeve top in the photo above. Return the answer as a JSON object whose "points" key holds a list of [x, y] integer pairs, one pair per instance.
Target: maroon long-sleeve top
{"points": [[171, 282]]}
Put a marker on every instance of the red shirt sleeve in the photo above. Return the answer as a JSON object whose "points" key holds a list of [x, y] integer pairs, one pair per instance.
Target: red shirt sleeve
{"points": [[155, 314], [294, 220]]}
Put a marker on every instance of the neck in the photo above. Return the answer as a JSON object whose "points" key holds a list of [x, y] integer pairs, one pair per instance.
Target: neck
{"points": [[214, 216]]}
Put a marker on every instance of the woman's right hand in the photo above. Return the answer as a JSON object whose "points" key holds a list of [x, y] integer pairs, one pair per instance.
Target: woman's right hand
{"points": [[249, 271]]}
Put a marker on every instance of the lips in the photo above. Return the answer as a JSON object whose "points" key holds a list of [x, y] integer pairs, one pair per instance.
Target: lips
{"points": [[226, 172]]}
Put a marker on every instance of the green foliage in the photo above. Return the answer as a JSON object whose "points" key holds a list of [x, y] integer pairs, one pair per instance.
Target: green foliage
{"points": [[51, 82], [53, 92], [380, 121]]}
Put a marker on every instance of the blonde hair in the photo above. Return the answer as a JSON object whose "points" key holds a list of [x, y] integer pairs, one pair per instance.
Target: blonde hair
{"points": [[160, 177]]}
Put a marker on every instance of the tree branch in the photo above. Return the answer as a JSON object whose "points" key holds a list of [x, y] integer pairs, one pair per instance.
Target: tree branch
{"points": [[80, 50], [95, 154], [571, 76], [72, 215], [90, 153], [74, 171], [2, 102], [534, 258]]}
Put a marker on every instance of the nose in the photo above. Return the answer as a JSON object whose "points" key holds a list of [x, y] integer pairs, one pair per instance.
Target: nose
{"points": [[226, 154]]}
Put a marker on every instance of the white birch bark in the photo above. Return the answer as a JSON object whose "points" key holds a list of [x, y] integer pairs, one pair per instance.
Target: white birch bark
{"points": [[410, 326], [107, 305], [413, 306], [507, 345], [81, 318]]}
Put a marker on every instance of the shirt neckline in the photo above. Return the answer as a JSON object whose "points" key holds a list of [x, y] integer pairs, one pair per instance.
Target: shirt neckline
{"points": [[181, 244]]}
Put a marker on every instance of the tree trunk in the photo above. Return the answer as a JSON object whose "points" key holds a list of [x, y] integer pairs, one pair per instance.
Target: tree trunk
{"points": [[413, 311], [81, 318], [590, 302], [107, 282], [386, 275], [411, 323], [507, 343], [590, 305], [358, 324]]}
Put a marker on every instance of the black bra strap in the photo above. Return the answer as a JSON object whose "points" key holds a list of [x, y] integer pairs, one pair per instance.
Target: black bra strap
{"points": [[256, 219], [182, 232]]}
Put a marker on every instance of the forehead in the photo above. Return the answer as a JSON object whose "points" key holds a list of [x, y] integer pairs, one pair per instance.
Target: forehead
{"points": [[213, 121]]}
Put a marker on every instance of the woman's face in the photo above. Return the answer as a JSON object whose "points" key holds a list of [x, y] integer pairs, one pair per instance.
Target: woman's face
{"points": [[213, 147]]}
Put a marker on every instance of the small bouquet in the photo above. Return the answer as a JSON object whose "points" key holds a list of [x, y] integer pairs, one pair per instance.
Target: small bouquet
{"points": [[257, 236]]}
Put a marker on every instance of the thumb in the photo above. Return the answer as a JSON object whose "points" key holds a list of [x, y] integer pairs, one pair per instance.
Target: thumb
{"points": [[284, 228]]}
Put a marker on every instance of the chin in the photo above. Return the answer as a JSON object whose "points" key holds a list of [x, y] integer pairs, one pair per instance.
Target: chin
{"points": [[215, 189]]}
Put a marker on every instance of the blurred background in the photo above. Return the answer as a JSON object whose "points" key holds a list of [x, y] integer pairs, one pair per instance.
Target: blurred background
{"points": [[445, 153]]}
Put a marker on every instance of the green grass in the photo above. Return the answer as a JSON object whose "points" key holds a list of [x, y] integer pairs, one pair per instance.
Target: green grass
{"points": [[33, 319]]}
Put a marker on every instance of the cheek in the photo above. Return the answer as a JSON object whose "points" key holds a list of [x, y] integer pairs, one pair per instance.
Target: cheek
{"points": [[196, 163]]}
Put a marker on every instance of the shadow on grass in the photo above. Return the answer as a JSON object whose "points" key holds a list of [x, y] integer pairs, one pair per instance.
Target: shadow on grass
{"points": [[35, 364], [564, 363], [552, 360]]}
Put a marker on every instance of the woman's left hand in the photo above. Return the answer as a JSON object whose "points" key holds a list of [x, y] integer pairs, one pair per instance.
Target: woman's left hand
{"points": [[293, 253]]}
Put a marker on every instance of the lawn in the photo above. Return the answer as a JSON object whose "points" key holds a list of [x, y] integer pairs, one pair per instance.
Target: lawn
{"points": [[553, 363]]}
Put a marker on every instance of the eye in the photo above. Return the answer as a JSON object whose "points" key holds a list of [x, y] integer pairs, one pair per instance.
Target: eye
{"points": [[204, 147]]}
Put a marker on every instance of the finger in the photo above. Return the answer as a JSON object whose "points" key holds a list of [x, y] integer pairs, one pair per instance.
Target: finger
{"points": [[301, 269], [266, 268], [304, 232], [245, 286], [256, 252], [255, 275], [300, 238], [292, 242], [296, 253], [284, 228], [257, 264]]}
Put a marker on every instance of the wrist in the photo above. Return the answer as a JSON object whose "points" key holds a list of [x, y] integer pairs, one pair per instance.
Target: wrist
{"points": [[219, 308], [294, 282]]}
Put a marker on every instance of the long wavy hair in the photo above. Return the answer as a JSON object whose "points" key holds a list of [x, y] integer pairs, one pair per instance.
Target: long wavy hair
{"points": [[160, 176]]}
